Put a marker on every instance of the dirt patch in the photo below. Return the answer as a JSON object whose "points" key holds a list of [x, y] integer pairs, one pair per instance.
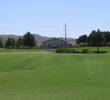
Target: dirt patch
{"points": [[29, 68]]}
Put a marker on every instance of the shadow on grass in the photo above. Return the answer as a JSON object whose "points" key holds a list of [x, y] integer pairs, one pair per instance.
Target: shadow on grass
{"points": [[99, 52]]}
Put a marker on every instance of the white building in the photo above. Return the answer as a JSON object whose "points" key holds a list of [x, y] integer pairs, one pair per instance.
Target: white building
{"points": [[55, 43]]}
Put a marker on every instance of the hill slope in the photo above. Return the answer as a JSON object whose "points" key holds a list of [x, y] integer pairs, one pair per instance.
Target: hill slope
{"points": [[39, 39]]}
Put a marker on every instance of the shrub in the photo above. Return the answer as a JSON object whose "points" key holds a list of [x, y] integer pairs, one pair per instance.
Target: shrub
{"points": [[100, 52], [60, 50], [85, 51], [65, 50], [71, 50]]}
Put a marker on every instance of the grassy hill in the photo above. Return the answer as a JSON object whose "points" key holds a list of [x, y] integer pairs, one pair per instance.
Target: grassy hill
{"points": [[39, 75]]}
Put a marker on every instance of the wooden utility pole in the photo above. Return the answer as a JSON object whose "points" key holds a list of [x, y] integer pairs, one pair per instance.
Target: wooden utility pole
{"points": [[65, 32]]}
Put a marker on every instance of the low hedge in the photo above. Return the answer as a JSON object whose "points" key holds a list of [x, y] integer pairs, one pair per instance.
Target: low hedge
{"points": [[65, 50], [85, 51], [100, 52], [71, 50]]}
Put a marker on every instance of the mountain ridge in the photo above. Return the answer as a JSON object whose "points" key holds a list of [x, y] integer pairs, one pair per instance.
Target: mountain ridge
{"points": [[39, 38]]}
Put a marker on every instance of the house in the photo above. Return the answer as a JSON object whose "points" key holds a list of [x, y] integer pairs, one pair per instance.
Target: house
{"points": [[55, 43]]}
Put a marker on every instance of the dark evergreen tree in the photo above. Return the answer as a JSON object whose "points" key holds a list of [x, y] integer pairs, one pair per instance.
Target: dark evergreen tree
{"points": [[13, 43], [19, 43], [106, 38], [82, 38], [96, 38], [29, 40], [1, 43], [8, 43]]}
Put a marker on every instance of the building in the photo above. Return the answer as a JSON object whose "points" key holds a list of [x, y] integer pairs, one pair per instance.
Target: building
{"points": [[55, 43]]}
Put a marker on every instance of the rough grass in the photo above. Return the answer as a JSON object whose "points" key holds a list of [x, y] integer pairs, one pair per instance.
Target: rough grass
{"points": [[54, 76]]}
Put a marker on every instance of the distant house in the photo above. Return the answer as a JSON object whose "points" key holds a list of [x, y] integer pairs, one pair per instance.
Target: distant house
{"points": [[55, 43]]}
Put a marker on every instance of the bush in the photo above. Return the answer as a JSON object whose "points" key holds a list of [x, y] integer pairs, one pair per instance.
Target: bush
{"points": [[85, 51], [100, 52], [71, 50], [59, 50], [65, 50]]}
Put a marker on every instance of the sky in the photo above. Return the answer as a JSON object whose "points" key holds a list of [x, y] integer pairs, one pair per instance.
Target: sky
{"points": [[47, 17]]}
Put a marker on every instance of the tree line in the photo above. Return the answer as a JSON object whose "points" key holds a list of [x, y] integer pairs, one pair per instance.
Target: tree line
{"points": [[27, 41], [95, 38]]}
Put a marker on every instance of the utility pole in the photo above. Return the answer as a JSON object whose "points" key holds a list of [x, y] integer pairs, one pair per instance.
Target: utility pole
{"points": [[65, 32]]}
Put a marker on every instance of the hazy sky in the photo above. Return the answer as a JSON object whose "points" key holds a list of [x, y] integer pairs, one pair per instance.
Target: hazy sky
{"points": [[47, 17]]}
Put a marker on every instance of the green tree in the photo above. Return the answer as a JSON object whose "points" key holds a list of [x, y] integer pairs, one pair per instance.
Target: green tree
{"points": [[29, 40], [8, 43], [13, 43], [106, 38], [1, 43], [19, 43], [96, 38], [82, 38]]}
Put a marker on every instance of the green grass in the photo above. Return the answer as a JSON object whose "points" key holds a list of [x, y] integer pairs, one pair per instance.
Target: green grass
{"points": [[54, 76], [20, 50], [92, 49]]}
